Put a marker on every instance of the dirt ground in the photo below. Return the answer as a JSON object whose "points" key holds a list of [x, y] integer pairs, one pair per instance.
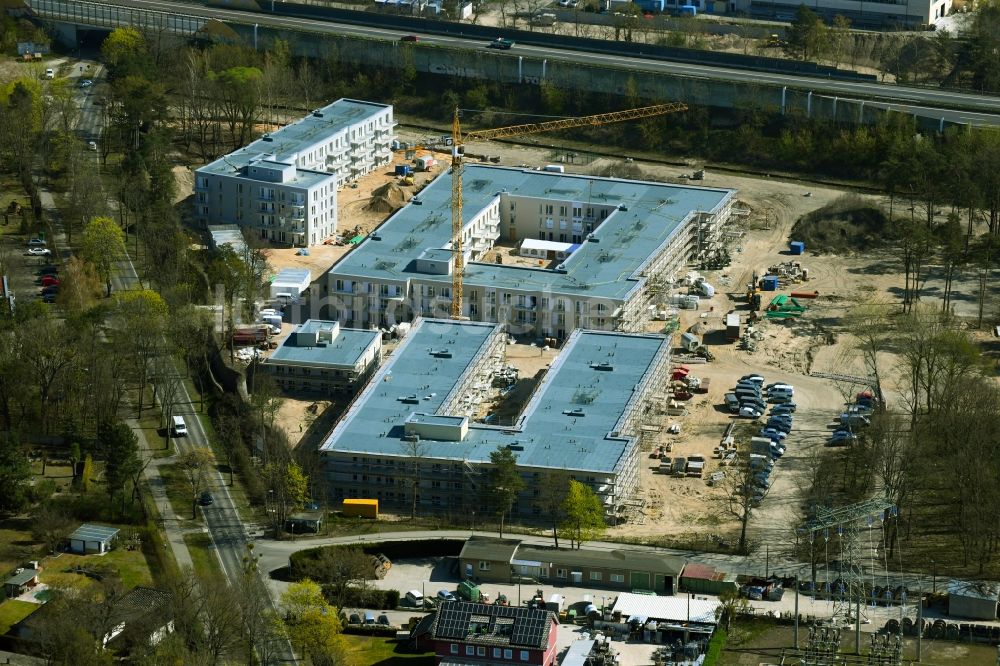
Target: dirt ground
{"points": [[788, 351]]}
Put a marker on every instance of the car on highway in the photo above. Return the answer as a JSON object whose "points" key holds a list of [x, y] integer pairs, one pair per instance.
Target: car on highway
{"points": [[86, 83], [409, 38], [38, 252], [445, 595], [206, 499], [501, 43]]}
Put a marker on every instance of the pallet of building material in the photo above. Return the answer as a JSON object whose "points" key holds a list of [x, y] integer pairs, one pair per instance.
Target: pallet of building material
{"points": [[689, 359]]}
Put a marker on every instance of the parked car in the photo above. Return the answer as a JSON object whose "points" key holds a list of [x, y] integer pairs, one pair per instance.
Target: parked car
{"points": [[779, 398], [384, 620], [773, 434], [750, 413], [50, 280], [841, 438], [85, 83], [854, 419], [732, 402], [38, 252], [785, 407], [758, 405], [36, 242], [206, 499], [445, 595], [49, 298], [51, 269], [51, 289], [369, 617], [757, 379], [780, 426]]}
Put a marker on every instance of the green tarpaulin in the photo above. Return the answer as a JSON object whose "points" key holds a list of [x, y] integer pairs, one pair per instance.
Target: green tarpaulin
{"points": [[356, 240]]}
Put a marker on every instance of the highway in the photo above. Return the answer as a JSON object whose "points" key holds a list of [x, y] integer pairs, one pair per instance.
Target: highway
{"points": [[953, 106]]}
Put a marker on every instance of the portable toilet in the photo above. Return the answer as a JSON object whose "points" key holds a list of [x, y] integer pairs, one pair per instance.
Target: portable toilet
{"points": [[797, 247], [690, 342]]}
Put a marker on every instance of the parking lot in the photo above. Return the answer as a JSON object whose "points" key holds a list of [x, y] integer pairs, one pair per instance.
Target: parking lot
{"points": [[22, 271]]}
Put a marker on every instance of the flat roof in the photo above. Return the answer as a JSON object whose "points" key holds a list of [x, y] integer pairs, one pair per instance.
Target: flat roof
{"points": [[624, 558], [651, 213], [227, 234], [571, 421], [292, 276], [344, 350], [489, 548], [92, 532], [19, 579], [284, 145], [669, 609]]}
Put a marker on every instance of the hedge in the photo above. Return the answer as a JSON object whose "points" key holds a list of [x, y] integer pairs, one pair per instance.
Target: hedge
{"points": [[356, 597]]}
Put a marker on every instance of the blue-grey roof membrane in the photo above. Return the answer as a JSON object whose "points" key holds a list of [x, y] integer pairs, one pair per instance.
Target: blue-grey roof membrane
{"points": [[345, 350], [285, 143], [567, 424], [606, 268], [292, 276]]}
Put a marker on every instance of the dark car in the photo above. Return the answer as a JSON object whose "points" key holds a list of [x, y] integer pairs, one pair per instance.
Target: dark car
{"points": [[51, 289], [206, 499], [409, 38], [51, 269]]}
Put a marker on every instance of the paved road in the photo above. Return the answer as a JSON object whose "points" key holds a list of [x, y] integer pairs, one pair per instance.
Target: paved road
{"points": [[953, 106]]}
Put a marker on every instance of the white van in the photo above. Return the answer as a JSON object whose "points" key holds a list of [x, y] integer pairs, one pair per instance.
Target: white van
{"points": [[179, 428], [415, 598], [285, 298], [50, 73]]}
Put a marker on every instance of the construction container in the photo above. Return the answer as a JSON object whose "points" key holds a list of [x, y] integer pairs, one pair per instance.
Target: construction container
{"points": [[733, 326], [689, 342], [469, 591], [706, 289], [361, 508], [403, 170], [425, 162], [797, 247], [769, 283]]}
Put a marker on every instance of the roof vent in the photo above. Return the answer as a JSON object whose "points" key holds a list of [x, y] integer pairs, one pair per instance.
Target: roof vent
{"points": [[375, 237], [317, 113], [409, 399], [266, 137], [416, 201], [623, 207], [575, 412], [603, 366], [516, 446], [592, 238], [411, 437], [441, 353]]}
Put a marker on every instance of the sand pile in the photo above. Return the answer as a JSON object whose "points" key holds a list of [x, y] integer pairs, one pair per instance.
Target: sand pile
{"points": [[387, 199]]}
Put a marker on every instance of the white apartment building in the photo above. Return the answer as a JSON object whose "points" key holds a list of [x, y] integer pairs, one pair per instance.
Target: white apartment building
{"points": [[284, 185], [616, 235]]}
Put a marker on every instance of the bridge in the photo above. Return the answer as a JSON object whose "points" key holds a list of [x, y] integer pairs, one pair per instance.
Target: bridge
{"points": [[372, 39]]}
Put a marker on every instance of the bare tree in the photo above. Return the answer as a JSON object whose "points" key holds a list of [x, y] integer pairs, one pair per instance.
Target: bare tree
{"points": [[196, 464], [744, 489], [414, 449]]}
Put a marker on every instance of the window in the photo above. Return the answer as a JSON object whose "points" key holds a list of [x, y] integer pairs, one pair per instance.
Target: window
{"points": [[617, 578], [470, 650], [508, 654], [524, 655], [484, 565], [481, 651], [454, 648], [497, 652], [595, 575], [560, 573]]}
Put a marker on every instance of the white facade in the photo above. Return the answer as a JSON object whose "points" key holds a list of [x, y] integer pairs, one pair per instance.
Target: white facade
{"points": [[861, 13], [284, 185]]}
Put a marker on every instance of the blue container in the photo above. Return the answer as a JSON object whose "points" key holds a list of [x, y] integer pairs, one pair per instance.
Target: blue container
{"points": [[688, 10], [770, 283], [797, 247]]}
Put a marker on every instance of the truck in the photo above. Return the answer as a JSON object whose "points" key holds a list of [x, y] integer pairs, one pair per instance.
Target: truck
{"points": [[555, 603], [732, 326], [404, 170], [501, 43]]}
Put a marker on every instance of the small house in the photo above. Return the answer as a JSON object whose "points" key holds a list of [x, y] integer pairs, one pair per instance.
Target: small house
{"points": [[22, 581], [293, 281], [976, 600], [704, 579], [305, 521], [90, 538]]}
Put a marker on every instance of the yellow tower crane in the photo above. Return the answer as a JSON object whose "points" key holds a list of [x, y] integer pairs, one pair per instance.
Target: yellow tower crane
{"points": [[517, 130]]}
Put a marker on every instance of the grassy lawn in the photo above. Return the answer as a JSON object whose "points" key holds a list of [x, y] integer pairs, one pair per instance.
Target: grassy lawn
{"points": [[150, 425], [178, 492], [13, 611], [206, 564], [378, 651], [129, 565]]}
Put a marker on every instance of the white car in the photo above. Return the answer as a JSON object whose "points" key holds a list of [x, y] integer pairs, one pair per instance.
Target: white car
{"points": [[750, 413], [38, 252]]}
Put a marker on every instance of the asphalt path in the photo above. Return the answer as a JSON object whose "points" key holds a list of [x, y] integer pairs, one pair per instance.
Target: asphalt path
{"points": [[952, 106]]}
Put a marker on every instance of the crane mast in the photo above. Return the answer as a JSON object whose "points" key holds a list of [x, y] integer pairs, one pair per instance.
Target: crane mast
{"points": [[458, 264]]}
